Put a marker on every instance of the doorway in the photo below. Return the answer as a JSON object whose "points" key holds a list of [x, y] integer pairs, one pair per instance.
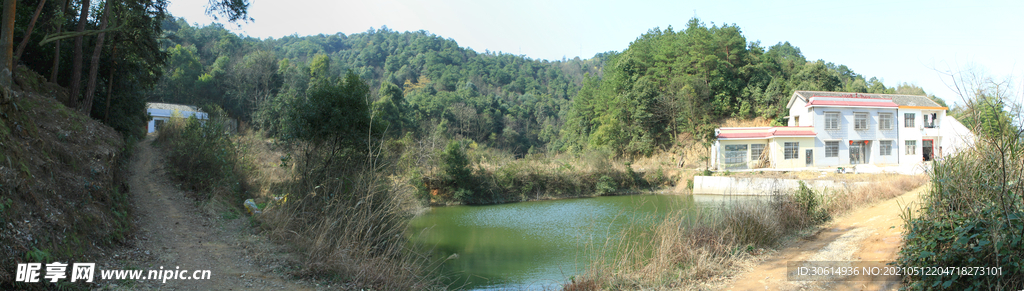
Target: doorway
{"points": [[810, 157], [926, 149], [859, 151]]}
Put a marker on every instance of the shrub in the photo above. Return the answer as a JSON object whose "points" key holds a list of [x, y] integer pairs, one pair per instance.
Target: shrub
{"points": [[606, 185], [810, 204], [200, 153], [972, 217]]}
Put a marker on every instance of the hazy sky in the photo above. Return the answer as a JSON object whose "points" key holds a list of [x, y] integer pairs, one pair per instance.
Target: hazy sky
{"points": [[896, 42]]}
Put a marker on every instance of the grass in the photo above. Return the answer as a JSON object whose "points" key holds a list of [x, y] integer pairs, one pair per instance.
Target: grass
{"points": [[348, 229], [698, 252]]}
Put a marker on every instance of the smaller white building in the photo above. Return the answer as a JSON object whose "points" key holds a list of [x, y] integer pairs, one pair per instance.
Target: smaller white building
{"points": [[162, 112]]}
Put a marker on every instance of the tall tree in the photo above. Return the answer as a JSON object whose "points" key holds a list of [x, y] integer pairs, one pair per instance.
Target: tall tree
{"points": [[94, 67], [76, 63], [28, 32], [234, 10], [6, 45], [56, 47]]}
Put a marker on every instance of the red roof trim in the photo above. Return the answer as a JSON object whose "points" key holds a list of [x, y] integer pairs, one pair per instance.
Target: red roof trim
{"points": [[886, 103], [744, 134], [724, 133]]}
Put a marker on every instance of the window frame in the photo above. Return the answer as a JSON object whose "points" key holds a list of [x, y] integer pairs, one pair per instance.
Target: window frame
{"points": [[908, 120], [830, 123], [730, 157], [911, 147], [885, 150], [860, 120], [832, 149], [759, 151], [791, 148], [886, 119]]}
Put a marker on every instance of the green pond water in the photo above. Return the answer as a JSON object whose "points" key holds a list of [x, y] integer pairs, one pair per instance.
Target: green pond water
{"points": [[540, 245]]}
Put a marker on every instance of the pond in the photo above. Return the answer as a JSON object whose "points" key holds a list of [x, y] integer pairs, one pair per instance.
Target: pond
{"points": [[541, 244]]}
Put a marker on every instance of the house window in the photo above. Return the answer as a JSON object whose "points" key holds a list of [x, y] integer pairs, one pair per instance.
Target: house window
{"points": [[860, 120], [831, 149], [831, 120], [930, 120], [911, 147], [792, 150], [908, 120], [885, 148], [735, 154], [755, 151], [885, 121]]}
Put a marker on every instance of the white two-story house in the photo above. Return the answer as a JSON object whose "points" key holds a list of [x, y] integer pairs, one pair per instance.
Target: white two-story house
{"points": [[835, 129]]}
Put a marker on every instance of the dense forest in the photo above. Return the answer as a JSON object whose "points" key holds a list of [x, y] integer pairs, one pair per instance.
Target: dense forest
{"points": [[664, 84]]}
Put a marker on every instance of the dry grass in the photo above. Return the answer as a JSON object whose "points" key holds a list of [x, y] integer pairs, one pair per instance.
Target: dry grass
{"points": [[884, 186], [354, 235], [349, 230], [742, 122], [688, 252]]}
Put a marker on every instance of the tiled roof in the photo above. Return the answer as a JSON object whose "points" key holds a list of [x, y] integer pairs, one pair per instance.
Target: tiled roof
{"points": [[169, 106], [899, 99], [764, 132]]}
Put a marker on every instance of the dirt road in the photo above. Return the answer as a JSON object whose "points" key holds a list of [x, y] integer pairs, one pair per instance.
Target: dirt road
{"points": [[174, 233], [868, 234]]}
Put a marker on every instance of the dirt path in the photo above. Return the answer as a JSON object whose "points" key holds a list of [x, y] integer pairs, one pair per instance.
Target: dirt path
{"points": [[173, 233], [869, 234]]}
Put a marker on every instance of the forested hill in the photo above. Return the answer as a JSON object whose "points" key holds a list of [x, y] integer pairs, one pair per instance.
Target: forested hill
{"points": [[505, 100], [664, 84]]}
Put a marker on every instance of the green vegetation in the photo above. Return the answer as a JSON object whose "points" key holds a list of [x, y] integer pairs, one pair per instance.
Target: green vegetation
{"points": [[972, 217], [811, 204], [200, 153]]}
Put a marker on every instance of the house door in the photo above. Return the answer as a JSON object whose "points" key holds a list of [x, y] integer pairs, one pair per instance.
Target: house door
{"points": [[810, 157], [926, 149], [859, 152]]}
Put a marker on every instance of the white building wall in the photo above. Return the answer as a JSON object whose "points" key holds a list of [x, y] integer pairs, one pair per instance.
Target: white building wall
{"points": [[165, 115], [799, 114], [955, 136], [910, 133], [846, 133]]}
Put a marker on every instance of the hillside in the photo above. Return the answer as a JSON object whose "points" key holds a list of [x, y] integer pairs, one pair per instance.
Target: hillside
{"points": [[62, 179]]}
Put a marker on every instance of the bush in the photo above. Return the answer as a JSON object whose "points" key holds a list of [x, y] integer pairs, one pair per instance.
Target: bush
{"points": [[972, 217], [606, 185], [810, 204], [200, 153]]}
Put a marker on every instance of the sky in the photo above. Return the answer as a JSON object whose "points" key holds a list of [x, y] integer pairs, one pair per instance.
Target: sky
{"points": [[896, 41]]}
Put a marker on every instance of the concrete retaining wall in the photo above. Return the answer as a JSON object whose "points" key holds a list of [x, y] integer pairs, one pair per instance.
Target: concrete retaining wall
{"points": [[764, 186]]}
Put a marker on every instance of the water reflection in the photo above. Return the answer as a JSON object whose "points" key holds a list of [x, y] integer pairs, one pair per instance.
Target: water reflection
{"points": [[538, 245]]}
